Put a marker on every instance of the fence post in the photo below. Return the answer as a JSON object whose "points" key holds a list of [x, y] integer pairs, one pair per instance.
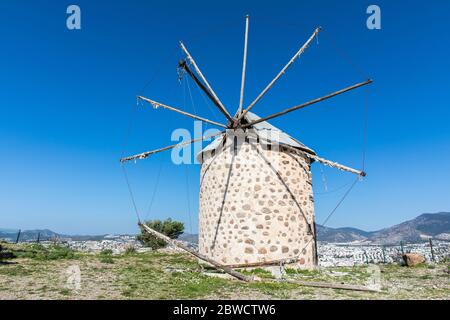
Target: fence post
{"points": [[18, 236], [38, 237], [384, 254], [401, 247], [365, 255], [432, 252]]}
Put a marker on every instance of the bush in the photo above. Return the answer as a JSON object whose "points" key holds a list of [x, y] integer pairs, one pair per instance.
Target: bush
{"points": [[170, 228], [54, 252], [106, 256], [130, 250]]}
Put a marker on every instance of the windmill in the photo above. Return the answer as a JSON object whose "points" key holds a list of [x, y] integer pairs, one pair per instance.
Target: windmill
{"points": [[256, 204]]}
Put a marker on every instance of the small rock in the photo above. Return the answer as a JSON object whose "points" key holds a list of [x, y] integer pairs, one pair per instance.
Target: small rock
{"points": [[412, 259]]}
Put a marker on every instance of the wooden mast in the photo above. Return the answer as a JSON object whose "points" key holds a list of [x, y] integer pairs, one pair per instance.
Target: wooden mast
{"points": [[303, 105], [299, 52], [192, 61], [182, 64], [156, 105], [244, 65], [146, 154]]}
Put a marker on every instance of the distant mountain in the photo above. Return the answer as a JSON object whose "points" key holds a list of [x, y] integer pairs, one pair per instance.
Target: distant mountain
{"points": [[435, 225], [44, 234], [328, 234], [427, 225], [189, 237]]}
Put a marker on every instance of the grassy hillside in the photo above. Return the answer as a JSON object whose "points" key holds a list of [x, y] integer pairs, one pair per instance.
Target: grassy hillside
{"points": [[42, 274]]}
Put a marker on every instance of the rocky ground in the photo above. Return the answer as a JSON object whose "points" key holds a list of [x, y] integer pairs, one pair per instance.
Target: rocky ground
{"points": [[58, 273]]}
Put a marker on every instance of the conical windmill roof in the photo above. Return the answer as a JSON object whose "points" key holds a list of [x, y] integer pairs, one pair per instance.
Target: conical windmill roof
{"points": [[264, 130]]}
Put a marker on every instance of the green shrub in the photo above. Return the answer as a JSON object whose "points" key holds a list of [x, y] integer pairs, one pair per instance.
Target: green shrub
{"points": [[170, 228], [130, 250], [106, 252], [106, 256], [53, 252]]}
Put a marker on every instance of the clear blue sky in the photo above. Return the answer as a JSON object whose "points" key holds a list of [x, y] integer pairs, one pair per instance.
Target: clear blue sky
{"points": [[66, 98]]}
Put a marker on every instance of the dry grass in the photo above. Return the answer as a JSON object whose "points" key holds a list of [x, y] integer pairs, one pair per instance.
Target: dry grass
{"points": [[161, 275]]}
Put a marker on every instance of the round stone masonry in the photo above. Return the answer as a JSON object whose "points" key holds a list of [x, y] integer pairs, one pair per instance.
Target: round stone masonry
{"points": [[256, 204]]}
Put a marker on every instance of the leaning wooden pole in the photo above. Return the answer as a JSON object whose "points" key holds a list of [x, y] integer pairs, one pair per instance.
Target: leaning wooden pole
{"points": [[303, 105], [192, 61], [156, 105], [196, 254], [244, 66], [243, 277], [278, 76], [328, 285]]}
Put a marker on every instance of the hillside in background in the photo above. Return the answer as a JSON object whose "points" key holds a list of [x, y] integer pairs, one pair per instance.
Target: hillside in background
{"points": [[427, 225]]}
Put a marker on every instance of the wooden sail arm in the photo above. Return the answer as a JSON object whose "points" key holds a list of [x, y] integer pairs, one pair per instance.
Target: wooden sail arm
{"points": [[156, 105], [296, 55], [315, 157], [220, 104], [303, 105], [244, 65], [325, 161], [182, 64], [336, 165], [146, 154]]}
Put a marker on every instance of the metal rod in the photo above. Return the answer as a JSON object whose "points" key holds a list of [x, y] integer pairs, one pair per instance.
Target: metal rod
{"points": [[156, 104], [297, 54], [192, 61], [196, 254], [303, 105], [244, 65], [149, 153]]}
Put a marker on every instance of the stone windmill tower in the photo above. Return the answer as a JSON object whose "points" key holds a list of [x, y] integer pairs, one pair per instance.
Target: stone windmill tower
{"points": [[256, 200]]}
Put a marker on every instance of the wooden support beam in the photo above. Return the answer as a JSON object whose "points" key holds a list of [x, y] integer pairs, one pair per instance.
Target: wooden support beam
{"points": [[192, 61], [244, 65], [156, 105], [149, 153], [328, 285], [296, 55], [196, 254], [303, 105]]}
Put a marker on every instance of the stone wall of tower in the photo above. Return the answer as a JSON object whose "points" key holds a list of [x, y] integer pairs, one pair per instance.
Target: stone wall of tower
{"points": [[256, 205]]}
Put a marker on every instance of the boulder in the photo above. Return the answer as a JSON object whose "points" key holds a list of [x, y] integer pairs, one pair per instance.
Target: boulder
{"points": [[412, 259]]}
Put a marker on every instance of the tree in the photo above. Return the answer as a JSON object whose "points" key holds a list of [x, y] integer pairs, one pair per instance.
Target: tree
{"points": [[170, 228]]}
